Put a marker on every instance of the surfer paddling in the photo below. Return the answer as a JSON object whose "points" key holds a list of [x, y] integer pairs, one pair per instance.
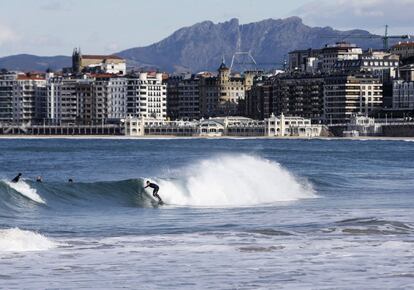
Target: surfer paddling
{"points": [[155, 191]]}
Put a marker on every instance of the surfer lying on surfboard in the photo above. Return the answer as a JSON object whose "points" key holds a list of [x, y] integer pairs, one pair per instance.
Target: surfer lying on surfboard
{"points": [[155, 192]]}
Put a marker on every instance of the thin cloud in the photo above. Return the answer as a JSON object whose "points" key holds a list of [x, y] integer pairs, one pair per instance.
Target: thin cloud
{"points": [[7, 34], [366, 14], [56, 5]]}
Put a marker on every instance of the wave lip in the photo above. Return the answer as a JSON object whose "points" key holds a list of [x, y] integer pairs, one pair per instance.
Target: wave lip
{"points": [[234, 180], [24, 189], [17, 240]]}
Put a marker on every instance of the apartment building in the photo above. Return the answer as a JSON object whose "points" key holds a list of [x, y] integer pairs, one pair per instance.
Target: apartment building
{"points": [[7, 84], [146, 96], [330, 54], [347, 95], [299, 95]]}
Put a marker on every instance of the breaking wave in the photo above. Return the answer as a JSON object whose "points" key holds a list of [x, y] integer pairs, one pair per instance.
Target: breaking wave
{"points": [[221, 181], [240, 180], [17, 240], [24, 189]]}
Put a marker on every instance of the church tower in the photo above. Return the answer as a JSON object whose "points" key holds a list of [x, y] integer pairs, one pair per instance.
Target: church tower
{"points": [[224, 73], [76, 60]]}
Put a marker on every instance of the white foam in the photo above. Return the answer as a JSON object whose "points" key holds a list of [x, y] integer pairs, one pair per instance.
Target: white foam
{"points": [[236, 180], [24, 189], [17, 240]]}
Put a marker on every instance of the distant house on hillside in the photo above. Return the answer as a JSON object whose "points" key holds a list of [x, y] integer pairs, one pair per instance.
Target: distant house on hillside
{"points": [[97, 63]]}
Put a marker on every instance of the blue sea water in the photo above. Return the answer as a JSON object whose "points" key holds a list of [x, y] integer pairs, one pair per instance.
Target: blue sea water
{"points": [[239, 214]]}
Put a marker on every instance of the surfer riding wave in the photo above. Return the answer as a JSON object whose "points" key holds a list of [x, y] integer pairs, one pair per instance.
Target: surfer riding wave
{"points": [[155, 191]]}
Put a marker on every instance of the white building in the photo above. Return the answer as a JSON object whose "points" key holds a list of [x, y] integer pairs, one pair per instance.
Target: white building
{"points": [[147, 96], [291, 126], [361, 125], [110, 96], [225, 126], [26, 91]]}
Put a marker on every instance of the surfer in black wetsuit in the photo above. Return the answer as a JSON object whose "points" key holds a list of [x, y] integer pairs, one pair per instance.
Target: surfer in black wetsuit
{"points": [[17, 178], [155, 192]]}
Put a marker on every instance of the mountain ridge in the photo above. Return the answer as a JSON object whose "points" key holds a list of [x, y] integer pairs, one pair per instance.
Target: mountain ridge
{"points": [[201, 46]]}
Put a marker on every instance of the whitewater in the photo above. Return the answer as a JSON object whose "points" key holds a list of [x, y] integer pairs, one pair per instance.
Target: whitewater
{"points": [[239, 214]]}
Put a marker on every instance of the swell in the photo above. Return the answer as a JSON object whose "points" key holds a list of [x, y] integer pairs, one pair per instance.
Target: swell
{"points": [[371, 226], [221, 181], [56, 195]]}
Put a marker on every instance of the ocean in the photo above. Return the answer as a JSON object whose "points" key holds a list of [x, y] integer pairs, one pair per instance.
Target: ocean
{"points": [[238, 214]]}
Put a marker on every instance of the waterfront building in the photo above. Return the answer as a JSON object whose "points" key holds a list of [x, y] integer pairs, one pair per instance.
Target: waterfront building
{"points": [[183, 97], [146, 95], [27, 90], [347, 95], [298, 95], [361, 125], [111, 64], [7, 84], [223, 126], [231, 89], [209, 96], [224, 94], [110, 98], [258, 98], [291, 126]]}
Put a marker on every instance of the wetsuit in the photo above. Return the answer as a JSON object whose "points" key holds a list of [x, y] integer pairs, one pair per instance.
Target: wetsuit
{"points": [[155, 191], [16, 179]]}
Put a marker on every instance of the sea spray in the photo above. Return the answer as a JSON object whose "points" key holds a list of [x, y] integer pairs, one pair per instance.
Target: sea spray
{"points": [[233, 180], [24, 189], [17, 240]]}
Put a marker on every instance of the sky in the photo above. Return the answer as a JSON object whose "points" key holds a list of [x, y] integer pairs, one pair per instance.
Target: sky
{"points": [[55, 27]]}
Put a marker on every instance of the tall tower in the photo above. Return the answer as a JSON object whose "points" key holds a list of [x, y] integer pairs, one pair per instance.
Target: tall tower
{"points": [[76, 60], [224, 73]]}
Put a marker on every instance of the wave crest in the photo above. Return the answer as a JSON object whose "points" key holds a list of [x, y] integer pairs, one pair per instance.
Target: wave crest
{"points": [[17, 240]]}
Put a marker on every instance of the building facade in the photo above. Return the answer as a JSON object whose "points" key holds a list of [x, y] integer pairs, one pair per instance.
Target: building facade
{"points": [[146, 96], [347, 95], [111, 64], [183, 97], [7, 84], [403, 95], [299, 95], [404, 49], [330, 54]]}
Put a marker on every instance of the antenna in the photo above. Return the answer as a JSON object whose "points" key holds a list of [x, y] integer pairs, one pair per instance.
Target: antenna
{"points": [[385, 39]]}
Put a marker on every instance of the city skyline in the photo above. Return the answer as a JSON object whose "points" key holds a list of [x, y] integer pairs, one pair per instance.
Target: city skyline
{"points": [[54, 27]]}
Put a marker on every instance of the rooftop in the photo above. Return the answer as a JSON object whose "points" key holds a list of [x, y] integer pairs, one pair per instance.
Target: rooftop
{"points": [[97, 56]]}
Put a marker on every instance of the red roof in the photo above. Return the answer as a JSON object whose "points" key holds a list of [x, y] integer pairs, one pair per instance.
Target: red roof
{"points": [[26, 77], [405, 44], [103, 75], [96, 56]]}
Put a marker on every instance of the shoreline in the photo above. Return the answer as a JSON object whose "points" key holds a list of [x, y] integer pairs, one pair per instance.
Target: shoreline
{"points": [[170, 137]]}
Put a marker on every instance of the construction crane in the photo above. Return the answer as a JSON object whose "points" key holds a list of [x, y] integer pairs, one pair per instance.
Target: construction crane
{"points": [[385, 38]]}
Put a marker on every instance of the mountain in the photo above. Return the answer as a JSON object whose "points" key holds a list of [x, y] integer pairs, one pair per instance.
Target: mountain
{"points": [[202, 46], [28, 62]]}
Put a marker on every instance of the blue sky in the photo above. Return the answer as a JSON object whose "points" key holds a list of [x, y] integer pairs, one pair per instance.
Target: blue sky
{"points": [[53, 27]]}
